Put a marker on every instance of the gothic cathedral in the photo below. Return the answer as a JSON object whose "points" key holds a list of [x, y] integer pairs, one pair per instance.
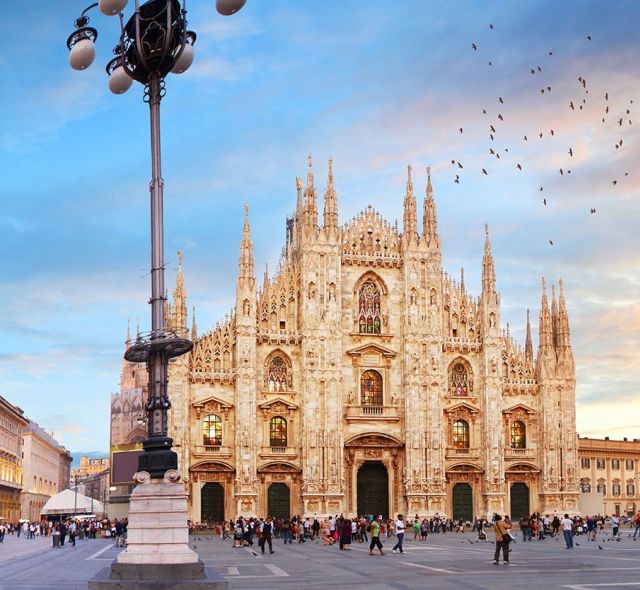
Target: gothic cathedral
{"points": [[361, 378]]}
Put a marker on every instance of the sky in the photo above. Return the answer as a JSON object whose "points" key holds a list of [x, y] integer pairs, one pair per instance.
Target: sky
{"points": [[375, 86]]}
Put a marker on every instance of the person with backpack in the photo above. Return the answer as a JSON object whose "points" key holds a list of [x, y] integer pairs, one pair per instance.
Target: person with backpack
{"points": [[374, 529], [501, 530]]}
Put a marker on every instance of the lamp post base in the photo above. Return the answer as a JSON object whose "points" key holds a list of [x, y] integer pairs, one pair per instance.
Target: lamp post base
{"points": [[158, 556]]}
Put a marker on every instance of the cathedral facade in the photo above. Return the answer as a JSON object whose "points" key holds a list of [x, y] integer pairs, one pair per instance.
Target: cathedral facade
{"points": [[361, 378]]}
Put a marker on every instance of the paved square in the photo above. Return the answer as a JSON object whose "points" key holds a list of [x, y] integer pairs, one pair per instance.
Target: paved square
{"points": [[444, 561]]}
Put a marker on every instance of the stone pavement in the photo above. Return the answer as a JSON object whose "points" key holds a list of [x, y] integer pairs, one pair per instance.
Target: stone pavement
{"points": [[442, 562]]}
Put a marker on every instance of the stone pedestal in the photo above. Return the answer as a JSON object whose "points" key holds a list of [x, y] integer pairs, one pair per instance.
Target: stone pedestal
{"points": [[158, 556]]}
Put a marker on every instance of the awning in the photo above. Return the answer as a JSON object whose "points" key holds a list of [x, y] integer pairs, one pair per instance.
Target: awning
{"points": [[70, 502]]}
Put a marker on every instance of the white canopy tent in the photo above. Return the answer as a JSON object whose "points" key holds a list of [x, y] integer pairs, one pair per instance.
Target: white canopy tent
{"points": [[70, 502]]}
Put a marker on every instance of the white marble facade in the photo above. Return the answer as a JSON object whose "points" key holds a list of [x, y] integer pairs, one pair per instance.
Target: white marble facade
{"points": [[362, 353]]}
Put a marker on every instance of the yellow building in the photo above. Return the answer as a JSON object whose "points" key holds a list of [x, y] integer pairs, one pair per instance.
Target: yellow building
{"points": [[611, 468], [12, 426]]}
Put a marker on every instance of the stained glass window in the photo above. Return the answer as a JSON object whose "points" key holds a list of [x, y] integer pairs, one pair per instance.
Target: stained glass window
{"points": [[369, 309], [212, 430], [277, 378], [518, 435], [460, 434], [278, 432], [371, 388], [460, 385]]}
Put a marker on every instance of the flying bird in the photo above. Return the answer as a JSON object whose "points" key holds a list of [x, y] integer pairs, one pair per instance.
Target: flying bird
{"points": [[498, 156], [519, 167], [551, 53], [457, 179], [541, 90], [484, 111], [548, 88], [541, 136], [600, 547], [459, 165], [551, 131], [606, 110], [539, 69], [500, 100], [460, 129], [532, 71], [453, 161], [588, 37], [491, 136], [541, 189], [620, 122], [551, 242], [571, 105], [614, 182], [490, 26], [490, 64], [606, 96], [544, 201], [571, 152], [493, 153], [525, 138], [561, 171], [475, 47], [500, 117], [592, 211], [484, 172], [493, 129]]}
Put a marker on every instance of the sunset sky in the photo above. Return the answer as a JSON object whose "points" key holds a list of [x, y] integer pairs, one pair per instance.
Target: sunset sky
{"points": [[376, 85]]}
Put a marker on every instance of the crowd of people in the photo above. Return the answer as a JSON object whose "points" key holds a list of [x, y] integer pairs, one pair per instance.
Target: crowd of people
{"points": [[371, 529], [68, 530]]}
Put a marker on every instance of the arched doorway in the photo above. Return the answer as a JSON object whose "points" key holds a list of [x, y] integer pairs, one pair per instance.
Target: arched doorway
{"points": [[519, 500], [212, 503], [462, 503], [373, 489], [279, 500]]}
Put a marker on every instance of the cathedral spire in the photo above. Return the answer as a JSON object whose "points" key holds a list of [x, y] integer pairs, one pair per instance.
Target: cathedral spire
{"points": [[410, 221], [194, 326], [488, 270], [528, 345], [429, 221], [564, 339], [310, 204], [179, 307], [545, 331], [127, 342], [330, 201], [246, 250], [554, 316], [265, 280], [462, 279]]}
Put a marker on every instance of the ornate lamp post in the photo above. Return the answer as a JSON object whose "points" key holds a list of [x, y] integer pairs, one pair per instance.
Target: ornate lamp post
{"points": [[154, 42]]}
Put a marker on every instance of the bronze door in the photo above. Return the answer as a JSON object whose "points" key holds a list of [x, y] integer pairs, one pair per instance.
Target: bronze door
{"points": [[373, 489], [519, 501], [279, 501], [212, 503], [462, 501]]}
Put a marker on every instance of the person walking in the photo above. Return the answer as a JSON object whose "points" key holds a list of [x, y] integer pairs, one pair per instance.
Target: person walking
{"points": [[397, 548], [266, 530], [567, 531], [73, 529], [500, 528], [375, 536], [615, 526], [525, 527], [636, 521], [345, 535]]}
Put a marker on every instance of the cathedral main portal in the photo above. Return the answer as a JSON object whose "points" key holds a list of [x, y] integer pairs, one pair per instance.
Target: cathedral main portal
{"points": [[373, 489]]}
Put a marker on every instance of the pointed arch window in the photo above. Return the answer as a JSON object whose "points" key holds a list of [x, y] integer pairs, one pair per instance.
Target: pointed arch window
{"points": [[461, 435], [461, 383], [278, 432], [518, 435], [212, 430], [277, 373], [369, 319], [371, 393]]}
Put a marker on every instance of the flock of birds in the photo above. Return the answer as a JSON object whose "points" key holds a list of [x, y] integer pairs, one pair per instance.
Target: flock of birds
{"points": [[621, 119]]}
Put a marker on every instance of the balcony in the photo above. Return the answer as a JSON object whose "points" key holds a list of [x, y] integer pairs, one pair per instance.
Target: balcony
{"points": [[208, 451], [455, 453], [356, 413], [278, 452], [510, 453]]}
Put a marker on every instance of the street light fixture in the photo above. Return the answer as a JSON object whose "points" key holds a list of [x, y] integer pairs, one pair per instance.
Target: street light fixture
{"points": [[154, 42]]}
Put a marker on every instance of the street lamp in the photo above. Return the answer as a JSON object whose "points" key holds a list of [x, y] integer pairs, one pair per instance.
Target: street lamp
{"points": [[153, 43]]}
